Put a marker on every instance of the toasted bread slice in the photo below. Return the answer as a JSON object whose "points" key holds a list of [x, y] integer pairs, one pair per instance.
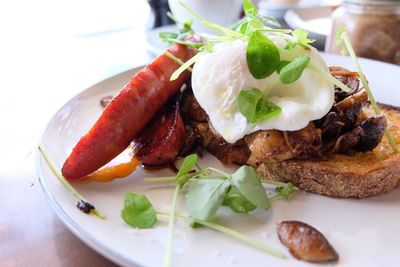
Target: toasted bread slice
{"points": [[359, 175]]}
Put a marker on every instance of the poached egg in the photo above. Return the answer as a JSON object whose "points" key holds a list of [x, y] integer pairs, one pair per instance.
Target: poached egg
{"points": [[219, 76]]}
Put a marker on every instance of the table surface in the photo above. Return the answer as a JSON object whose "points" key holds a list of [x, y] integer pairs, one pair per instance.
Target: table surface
{"points": [[50, 51]]}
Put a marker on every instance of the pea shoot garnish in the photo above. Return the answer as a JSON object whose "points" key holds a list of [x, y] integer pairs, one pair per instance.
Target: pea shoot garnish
{"points": [[207, 190], [82, 203], [342, 38], [263, 57]]}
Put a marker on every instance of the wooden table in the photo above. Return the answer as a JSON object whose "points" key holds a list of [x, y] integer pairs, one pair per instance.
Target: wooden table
{"points": [[50, 51]]}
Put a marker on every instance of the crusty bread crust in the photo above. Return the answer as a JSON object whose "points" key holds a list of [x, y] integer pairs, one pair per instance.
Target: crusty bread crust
{"points": [[356, 176]]}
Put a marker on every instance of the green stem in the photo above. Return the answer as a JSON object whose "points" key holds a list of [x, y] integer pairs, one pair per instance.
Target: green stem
{"points": [[330, 78], [211, 25], [198, 166], [274, 30], [221, 39], [177, 60], [365, 83], [193, 45], [275, 198], [64, 181], [271, 86], [159, 179], [168, 255], [232, 233], [184, 67], [277, 183], [172, 17]]}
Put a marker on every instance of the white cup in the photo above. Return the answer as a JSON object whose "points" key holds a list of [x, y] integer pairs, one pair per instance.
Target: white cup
{"points": [[222, 12]]}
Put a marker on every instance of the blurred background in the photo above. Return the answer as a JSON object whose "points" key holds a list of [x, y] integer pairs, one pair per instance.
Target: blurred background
{"points": [[52, 50]]}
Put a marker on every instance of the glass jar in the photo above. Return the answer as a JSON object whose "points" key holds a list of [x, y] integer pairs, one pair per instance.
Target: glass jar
{"points": [[373, 27]]}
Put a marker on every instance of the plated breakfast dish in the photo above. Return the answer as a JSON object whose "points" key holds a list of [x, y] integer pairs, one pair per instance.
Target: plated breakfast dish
{"points": [[262, 101]]}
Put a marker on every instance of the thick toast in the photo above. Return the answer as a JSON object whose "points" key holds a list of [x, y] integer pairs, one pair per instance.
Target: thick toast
{"points": [[359, 175]]}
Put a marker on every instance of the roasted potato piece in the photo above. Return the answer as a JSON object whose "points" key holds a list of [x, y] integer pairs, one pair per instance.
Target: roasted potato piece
{"points": [[305, 242], [161, 141]]}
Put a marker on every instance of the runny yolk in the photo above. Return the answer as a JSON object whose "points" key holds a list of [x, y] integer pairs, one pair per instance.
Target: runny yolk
{"points": [[108, 174]]}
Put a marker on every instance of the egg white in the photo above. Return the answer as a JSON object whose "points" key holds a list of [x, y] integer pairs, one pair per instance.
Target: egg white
{"points": [[218, 77]]}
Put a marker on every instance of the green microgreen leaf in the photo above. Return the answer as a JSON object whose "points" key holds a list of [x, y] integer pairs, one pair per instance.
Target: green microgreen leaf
{"points": [[237, 202], [167, 36], [205, 197], [266, 110], [282, 64], [292, 71], [276, 31], [184, 66], [290, 44], [262, 55], [286, 191], [251, 26], [238, 24], [247, 180], [138, 211], [187, 27], [249, 8], [187, 165], [254, 107], [302, 38], [247, 102], [243, 27]]}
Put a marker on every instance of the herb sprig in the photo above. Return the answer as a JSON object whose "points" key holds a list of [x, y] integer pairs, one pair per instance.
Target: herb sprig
{"points": [[263, 57], [342, 38], [207, 189], [82, 203]]}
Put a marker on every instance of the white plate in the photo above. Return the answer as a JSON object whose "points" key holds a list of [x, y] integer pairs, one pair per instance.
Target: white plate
{"points": [[364, 232]]}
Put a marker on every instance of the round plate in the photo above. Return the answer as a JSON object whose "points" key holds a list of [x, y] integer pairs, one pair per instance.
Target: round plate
{"points": [[364, 232]]}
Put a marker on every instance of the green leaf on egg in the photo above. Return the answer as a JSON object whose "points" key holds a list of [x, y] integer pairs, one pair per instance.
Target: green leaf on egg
{"points": [[266, 110], [262, 55], [292, 71], [254, 107]]}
